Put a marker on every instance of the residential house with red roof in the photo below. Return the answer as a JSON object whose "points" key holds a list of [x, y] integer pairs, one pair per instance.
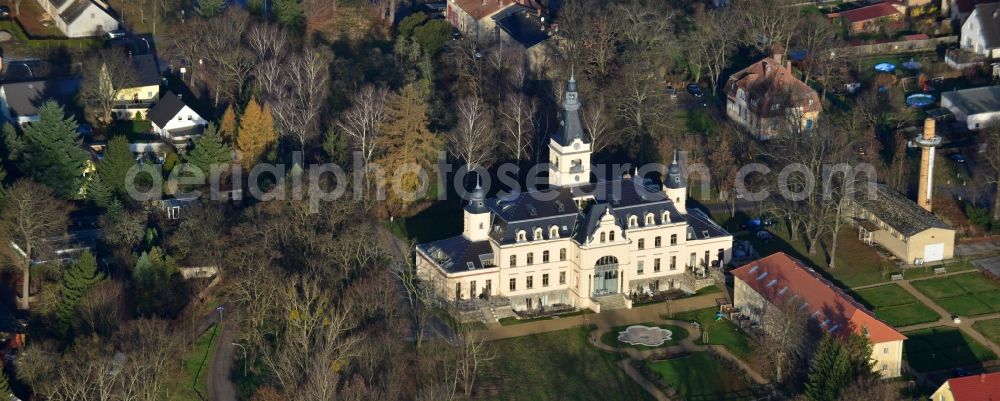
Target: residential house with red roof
{"points": [[761, 289], [767, 98], [873, 18], [981, 387], [473, 17]]}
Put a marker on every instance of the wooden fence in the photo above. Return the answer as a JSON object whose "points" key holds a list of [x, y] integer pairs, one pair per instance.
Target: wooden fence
{"points": [[903, 46]]}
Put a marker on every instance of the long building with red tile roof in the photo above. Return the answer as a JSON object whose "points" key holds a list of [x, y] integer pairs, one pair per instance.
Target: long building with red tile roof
{"points": [[762, 288], [871, 18], [981, 387]]}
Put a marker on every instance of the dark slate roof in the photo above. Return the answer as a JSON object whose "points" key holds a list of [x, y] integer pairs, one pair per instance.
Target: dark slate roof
{"points": [[989, 23], [522, 25], [74, 11], [976, 100], [570, 127], [458, 254], [530, 210], [625, 198], [899, 212], [147, 71], [701, 226], [58, 3], [166, 109], [24, 98]]}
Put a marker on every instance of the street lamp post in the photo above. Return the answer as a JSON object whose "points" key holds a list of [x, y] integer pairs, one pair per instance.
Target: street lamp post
{"points": [[244, 357], [220, 309]]}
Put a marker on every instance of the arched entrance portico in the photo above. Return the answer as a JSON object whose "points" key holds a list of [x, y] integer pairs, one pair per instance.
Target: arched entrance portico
{"points": [[606, 276]]}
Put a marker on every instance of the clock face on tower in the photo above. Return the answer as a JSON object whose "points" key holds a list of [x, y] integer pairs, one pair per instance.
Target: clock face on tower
{"points": [[576, 146]]}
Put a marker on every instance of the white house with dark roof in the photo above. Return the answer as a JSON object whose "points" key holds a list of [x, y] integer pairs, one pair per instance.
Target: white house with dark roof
{"points": [[19, 101], [174, 120], [577, 244], [81, 18], [981, 32]]}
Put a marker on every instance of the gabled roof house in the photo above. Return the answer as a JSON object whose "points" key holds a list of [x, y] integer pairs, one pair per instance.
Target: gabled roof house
{"points": [[174, 120], [761, 289], [766, 97], [81, 18]]}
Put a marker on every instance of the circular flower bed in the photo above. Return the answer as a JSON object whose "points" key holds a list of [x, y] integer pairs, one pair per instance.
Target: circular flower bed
{"points": [[645, 335]]}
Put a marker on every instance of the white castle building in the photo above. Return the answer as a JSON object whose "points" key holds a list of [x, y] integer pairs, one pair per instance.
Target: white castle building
{"points": [[578, 243]]}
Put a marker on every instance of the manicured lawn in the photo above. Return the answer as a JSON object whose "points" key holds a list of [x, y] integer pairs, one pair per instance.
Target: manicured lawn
{"points": [[720, 332], [965, 294], [896, 306], [701, 377], [611, 337], [989, 328], [941, 348], [560, 365]]}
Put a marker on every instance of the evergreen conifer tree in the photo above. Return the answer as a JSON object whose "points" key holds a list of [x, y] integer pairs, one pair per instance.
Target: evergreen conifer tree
{"points": [[208, 150], [829, 371], [113, 169], [81, 276], [50, 151]]}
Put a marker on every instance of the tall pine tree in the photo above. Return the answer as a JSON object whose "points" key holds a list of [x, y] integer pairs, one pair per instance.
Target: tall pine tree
{"points": [[113, 169], [227, 126], [81, 276], [407, 142], [829, 371], [256, 134], [50, 151], [208, 150]]}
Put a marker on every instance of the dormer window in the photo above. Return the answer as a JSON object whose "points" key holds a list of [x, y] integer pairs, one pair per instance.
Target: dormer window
{"points": [[611, 235], [665, 217], [633, 221], [538, 234], [553, 232], [522, 236], [649, 219], [604, 237]]}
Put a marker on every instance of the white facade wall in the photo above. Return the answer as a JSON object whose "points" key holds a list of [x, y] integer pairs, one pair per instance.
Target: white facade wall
{"points": [[972, 38]]}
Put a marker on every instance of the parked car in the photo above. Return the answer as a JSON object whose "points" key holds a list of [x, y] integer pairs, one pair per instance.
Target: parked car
{"points": [[671, 91], [958, 158], [695, 90], [116, 34], [4, 12]]}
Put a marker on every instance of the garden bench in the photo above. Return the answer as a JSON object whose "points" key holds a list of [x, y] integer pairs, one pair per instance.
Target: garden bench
{"points": [[940, 270], [896, 277]]}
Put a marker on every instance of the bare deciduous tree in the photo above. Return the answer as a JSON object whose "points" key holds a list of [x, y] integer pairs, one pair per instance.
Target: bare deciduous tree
{"points": [[298, 106], [517, 113], [31, 214], [362, 121], [227, 58], [106, 74], [473, 140], [711, 46], [597, 124], [473, 354]]}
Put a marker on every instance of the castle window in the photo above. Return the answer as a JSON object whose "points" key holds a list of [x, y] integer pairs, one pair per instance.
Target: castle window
{"points": [[562, 255], [545, 280], [665, 217], [656, 265], [657, 242], [538, 234], [522, 236], [513, 284], [673, 263], [642, 243], [545, 256], [513, 260], [603, 237], [562, 277], [611, 236], [633, 221], [553, 232], [649, 219], [530, 283], [638, 267], [531, 258], [673, 239]]}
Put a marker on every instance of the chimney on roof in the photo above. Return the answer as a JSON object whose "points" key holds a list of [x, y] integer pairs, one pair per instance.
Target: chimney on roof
{"points": [[778, 53]]}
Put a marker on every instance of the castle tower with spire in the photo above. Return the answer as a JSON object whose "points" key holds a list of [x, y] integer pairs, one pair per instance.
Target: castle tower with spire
{"points": [[569, 149], [675, 187], [477, 215]]}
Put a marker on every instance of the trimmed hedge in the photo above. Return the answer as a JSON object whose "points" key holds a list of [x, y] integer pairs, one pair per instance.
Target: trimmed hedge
{"points": [[17, 31]]}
